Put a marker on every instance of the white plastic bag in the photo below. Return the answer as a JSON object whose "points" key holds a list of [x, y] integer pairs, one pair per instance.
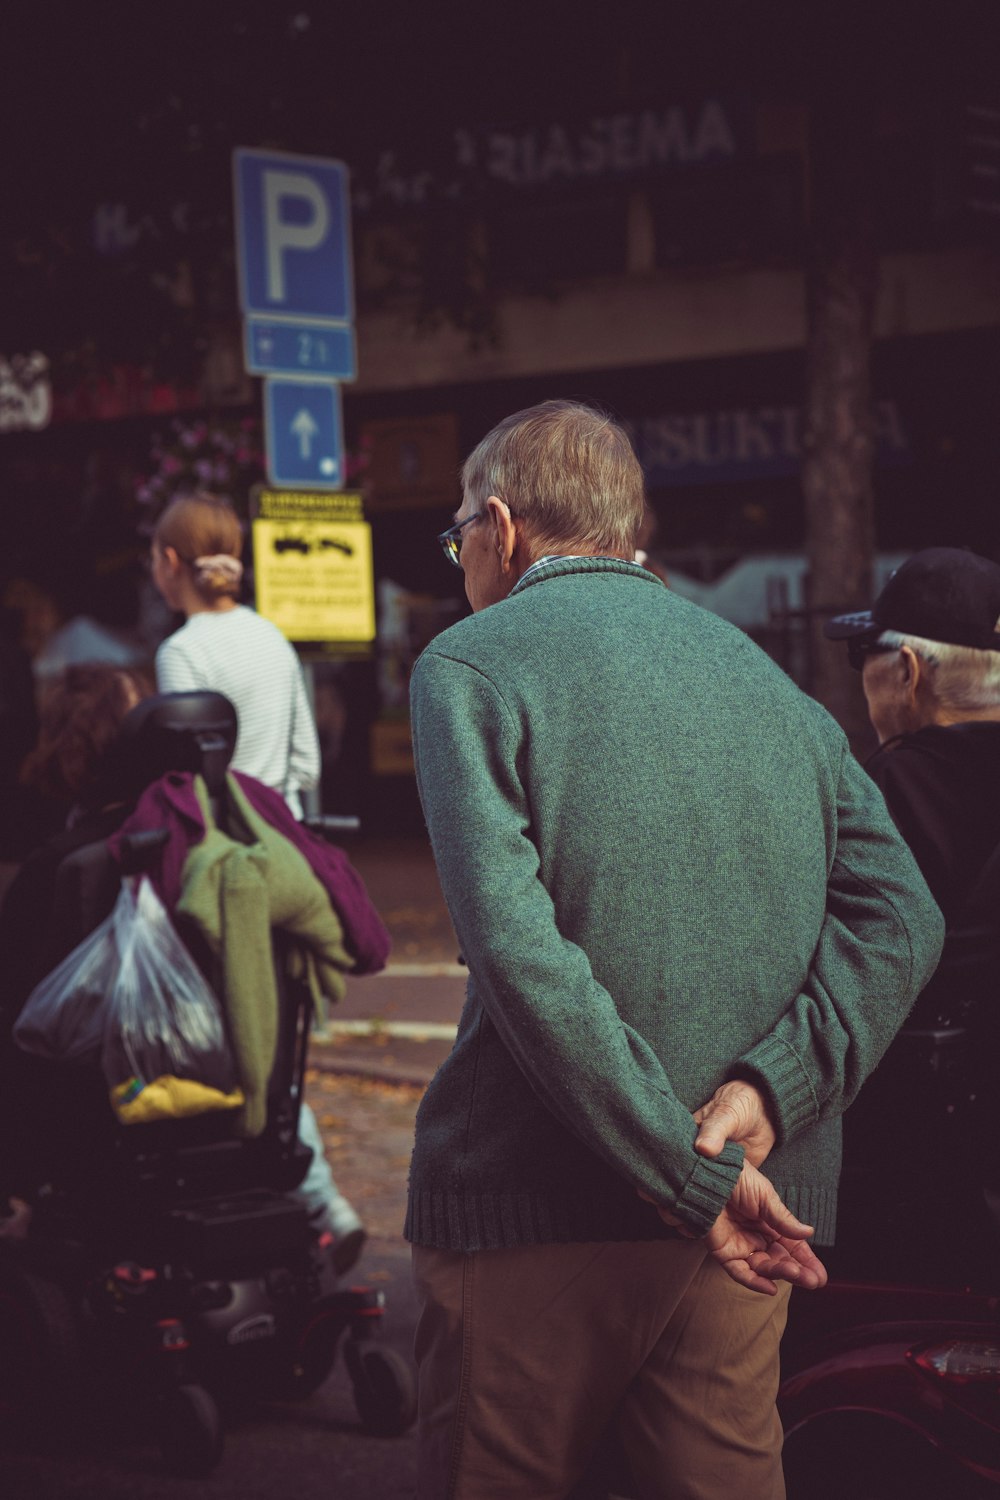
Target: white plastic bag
{"points": [[131, 999], [63, 1018], [162, 1019]]}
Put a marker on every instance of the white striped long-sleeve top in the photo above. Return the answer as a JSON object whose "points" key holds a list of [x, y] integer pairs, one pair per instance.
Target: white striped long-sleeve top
{"points": [[239, 653]]}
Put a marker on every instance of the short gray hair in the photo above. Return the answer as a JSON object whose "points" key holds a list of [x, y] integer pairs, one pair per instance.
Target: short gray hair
{"points": [[962, 677], [568, 470]]}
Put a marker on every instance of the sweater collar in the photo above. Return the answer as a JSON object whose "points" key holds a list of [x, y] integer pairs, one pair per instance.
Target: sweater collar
{"points": [[558, 567]]}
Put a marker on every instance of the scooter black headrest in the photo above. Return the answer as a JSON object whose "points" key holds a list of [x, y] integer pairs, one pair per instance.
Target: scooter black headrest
{"points": [[177, 732]]}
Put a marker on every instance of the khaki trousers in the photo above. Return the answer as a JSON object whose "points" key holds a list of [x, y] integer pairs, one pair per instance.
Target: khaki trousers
{"points": [[526, 1356]]}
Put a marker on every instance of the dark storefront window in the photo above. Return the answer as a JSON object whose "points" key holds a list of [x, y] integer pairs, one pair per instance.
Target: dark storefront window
{"points": [[539, 240], [749, 211]]}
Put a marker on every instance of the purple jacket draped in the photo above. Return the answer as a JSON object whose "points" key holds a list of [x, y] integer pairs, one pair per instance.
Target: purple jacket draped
{"points": [[171, 803]]}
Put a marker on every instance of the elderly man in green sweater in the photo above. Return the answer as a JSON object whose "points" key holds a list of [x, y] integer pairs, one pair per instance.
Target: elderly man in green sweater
{"points": [[691, 930]]}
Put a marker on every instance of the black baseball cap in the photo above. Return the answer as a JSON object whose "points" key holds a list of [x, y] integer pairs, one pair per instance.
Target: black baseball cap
{"points": [[943, 594]]}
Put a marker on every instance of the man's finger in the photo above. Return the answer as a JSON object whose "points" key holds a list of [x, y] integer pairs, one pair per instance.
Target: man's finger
{"points": [[721, 1125], [807, 1258], [776, 1216], [743, 1272], [800, 1262], [756, 1202], [780, 1266]]}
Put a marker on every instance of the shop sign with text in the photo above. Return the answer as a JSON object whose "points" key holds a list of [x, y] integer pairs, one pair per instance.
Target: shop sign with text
{"points": [[630, 144], [764, 442]]}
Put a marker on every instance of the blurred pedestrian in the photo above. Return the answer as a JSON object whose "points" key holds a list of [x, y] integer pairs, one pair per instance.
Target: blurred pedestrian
{"points": [[929, 652], [43, 598], [230, 649], [691, 930], [54, 1118]]}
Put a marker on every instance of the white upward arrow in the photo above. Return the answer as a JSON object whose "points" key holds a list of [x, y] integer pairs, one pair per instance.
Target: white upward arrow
{"points": [[305, 428]]}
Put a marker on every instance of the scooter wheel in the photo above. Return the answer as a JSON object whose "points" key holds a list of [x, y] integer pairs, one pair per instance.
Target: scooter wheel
{"points": [[40, 1356], [190, 1430], [385, 1392]]}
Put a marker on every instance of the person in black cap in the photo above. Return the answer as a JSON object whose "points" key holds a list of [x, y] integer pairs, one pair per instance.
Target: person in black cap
{"points": [[929, 652]]}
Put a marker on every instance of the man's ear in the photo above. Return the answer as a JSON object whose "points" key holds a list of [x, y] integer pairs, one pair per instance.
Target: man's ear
{"points": [[911, 670], [503, 531]]}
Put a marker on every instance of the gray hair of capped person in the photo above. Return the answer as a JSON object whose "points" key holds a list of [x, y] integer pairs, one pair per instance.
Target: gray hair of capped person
{"points": [[961, 678]]}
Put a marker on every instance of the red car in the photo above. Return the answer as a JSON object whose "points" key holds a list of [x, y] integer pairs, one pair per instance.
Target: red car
{"points": [[892, 1391], [891, 1374]]}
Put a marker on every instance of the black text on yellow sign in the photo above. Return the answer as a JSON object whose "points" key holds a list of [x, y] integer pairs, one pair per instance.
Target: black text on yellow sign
{"points": [[306, 505], [313, 577]]}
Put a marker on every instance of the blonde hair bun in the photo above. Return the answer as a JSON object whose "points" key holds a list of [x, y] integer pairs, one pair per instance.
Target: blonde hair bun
{"points": [[205, 532]]}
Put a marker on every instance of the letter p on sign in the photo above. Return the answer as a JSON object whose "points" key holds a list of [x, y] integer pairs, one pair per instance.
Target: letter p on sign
{"points": [[281, 234], [293, 236]]}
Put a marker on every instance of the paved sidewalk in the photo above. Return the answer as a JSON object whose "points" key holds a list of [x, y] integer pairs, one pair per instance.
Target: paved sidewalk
{"points": [[389, 1059], [398, 1026], [403, 884], [405, 1000]]}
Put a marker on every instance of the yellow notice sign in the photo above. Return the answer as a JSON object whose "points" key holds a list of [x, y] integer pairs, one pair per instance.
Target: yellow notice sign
{"points": [[312, 558]]}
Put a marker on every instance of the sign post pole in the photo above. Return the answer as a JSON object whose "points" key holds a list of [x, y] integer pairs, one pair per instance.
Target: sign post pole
{"points": [[312, 547]]}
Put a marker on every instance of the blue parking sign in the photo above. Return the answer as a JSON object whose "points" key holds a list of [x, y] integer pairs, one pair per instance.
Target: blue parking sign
{"points": [[303, 434], [293, 235]]}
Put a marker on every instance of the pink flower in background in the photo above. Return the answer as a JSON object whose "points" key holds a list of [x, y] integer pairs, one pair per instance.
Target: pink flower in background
{"points": [[223, 456]]}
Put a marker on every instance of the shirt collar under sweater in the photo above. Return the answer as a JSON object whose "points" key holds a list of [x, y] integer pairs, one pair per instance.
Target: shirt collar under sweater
{"points": [[555, 564]]}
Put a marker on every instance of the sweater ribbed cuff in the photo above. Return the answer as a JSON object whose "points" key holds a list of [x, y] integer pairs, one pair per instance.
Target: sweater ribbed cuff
{"points": [[708, 1189], [785, 1079]]}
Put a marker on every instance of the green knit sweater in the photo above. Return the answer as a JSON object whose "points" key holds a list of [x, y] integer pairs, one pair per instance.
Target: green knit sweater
{"points": [[665, 869], [240, 882]]}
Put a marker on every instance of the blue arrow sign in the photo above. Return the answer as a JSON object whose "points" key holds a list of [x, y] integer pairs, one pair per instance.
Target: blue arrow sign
{"points": [[275, 347], [303, 434], [293, 235]]}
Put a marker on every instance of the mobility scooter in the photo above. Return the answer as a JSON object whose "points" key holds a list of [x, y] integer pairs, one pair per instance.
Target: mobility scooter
{"points": [[178, 1267]]}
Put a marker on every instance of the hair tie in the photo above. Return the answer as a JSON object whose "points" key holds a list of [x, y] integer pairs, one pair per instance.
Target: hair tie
{"points": [[220, 562]]}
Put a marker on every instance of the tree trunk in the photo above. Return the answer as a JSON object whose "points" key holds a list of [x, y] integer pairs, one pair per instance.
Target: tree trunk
{"points": [[838, 430]]}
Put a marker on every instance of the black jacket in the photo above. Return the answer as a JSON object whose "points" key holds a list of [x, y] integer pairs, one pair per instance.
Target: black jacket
{"points": [[942, 785]]}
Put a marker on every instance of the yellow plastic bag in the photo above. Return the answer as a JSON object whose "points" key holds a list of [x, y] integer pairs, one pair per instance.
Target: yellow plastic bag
{"points": [[168, 1098]]}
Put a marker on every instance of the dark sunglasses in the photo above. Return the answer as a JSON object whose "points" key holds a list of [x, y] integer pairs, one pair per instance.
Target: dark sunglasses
{"points": [[859, 648]]}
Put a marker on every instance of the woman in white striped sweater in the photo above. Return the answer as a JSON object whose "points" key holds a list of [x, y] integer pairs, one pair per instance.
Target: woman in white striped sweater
{"points": [[228, 648]]}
